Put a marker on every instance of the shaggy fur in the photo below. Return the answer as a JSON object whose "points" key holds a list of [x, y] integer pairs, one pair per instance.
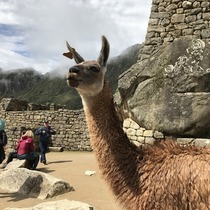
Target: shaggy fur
{"points": [[165, 176]]}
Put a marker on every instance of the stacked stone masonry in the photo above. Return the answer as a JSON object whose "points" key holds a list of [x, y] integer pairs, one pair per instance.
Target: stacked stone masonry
{"points": [[140, 136], [172, 19], [71, 129], [70, 126]]}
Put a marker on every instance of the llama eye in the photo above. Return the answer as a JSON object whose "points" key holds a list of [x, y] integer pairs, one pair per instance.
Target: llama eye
{"points": [[94, 69]]}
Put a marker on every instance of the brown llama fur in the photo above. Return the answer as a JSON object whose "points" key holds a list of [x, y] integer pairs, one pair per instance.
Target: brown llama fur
{"points": [[165, 176]]}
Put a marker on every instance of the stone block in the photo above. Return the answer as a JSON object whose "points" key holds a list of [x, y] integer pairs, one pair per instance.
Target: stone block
{"points": [[126, 123], [188, 31], [133, 138], [148, 133], [138, 144], [33, 183], [56, 149], [202, 142], [141, 139], [59, 204], [178, 18], [16, 163], [134, 125], [149, 140], [205, 33], [185, 140], [131, 132], [158, 135], [139, 132], [187, 4], [180, 26]]}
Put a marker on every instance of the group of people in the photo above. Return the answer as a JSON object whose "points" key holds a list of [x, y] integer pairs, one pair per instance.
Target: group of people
{"points": [[25, 148]]}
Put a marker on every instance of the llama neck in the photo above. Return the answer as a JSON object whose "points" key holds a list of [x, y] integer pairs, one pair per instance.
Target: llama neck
{"points": [[116, 155], [102, 120]]}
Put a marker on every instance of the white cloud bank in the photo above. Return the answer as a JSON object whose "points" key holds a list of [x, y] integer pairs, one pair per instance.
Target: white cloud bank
{"points": [[33, 32]]}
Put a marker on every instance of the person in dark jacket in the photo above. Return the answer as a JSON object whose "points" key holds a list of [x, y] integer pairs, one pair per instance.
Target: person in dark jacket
{"points": [[45, 134], [3, 143]]}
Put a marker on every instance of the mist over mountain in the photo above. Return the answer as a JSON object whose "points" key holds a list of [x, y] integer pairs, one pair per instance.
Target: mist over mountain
{"points": [[17, 81], [29, 85]]}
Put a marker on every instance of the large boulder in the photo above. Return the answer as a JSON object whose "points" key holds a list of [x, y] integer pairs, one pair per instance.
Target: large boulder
{"points": [[55, 205], [170, 92], [16, 163], [33, 183]]}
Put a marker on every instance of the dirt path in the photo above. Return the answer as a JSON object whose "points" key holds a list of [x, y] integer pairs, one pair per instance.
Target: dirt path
{"points": [[70, 167]]}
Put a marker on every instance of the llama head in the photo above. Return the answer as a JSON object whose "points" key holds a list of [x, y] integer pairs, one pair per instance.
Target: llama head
{"points": [[88, 76]]}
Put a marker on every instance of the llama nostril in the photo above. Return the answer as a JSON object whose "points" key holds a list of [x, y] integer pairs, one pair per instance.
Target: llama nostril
{"points": [[74, 69]]}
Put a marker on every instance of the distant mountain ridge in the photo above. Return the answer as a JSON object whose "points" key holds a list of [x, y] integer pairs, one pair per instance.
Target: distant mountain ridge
{"points": [[29, 85]]}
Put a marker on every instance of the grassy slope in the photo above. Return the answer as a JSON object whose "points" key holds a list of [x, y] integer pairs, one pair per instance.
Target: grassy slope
{"points": [[29, 85]]}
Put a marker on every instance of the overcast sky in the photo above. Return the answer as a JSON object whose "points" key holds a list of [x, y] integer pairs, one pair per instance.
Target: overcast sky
{"points": [[33, 32]]}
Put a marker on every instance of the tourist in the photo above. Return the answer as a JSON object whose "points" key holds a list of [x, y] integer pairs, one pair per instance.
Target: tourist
{"points": [[3, 140], [26, 149], [45, 133], [13, 154]]}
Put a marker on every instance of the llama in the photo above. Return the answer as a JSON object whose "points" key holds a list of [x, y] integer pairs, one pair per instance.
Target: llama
{"points": [[165, 176]]}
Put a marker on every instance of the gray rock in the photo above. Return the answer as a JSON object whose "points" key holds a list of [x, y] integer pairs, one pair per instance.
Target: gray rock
{"points": [[58, 205], [55, 149], [16, 163], [33, 183], [202, 142], [186, 141], [170, 92]]}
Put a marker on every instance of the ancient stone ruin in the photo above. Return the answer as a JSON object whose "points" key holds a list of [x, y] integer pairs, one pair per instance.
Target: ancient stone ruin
{"points": [[168, 88], [33, 183]]}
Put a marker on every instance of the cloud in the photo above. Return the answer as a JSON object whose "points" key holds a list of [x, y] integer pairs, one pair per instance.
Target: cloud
{"points": [[33, 32]]}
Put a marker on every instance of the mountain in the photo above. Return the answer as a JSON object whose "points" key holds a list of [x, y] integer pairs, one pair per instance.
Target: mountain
{"points": [[30, 85], [15, 82]]}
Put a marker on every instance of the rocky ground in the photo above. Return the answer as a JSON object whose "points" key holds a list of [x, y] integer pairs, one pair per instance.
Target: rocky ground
{"points": [[70, 167]]}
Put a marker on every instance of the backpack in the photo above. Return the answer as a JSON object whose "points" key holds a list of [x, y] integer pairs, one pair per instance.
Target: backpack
{"points": [[3, 138], [2, 125]]}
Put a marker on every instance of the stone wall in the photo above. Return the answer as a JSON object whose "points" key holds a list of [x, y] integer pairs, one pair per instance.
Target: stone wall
{"points": [[171, 19], [70, 127], [140, 136]]}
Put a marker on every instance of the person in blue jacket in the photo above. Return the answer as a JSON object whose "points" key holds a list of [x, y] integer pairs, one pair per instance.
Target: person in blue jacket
{"points": [[45, 134]]}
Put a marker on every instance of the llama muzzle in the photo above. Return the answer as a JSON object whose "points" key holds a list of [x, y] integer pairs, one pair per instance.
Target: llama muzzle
{"points": [[72, 81]]}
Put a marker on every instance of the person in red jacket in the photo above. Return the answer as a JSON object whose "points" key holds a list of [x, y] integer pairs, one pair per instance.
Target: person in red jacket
{"points": [[13, 154], [26, 149]]}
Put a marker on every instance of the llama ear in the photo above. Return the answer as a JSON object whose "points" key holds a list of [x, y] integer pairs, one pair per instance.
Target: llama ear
{"points": [[104, 53], [73, 54]]}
